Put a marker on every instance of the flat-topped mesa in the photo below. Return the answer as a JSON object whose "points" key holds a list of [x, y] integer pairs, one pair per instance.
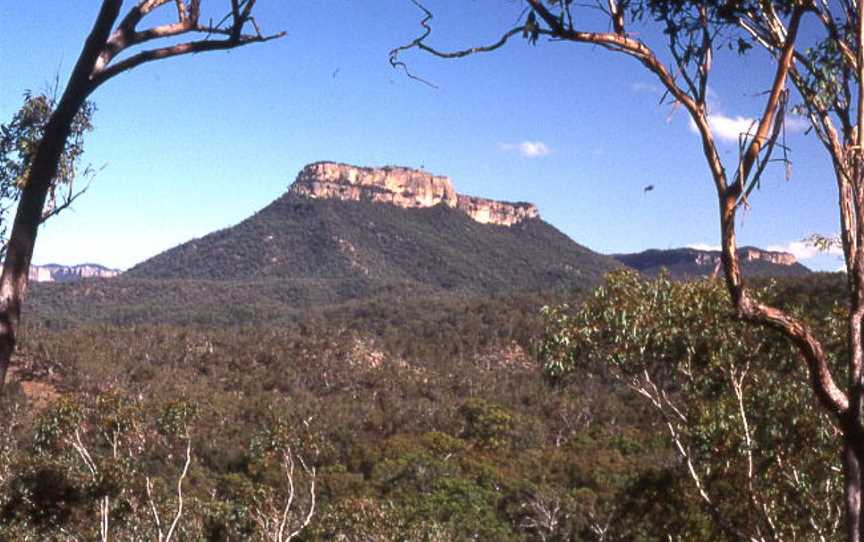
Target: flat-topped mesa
{"points": [[403, 187]]}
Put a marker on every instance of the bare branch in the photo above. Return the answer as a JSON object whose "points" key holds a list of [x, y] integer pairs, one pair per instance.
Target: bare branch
{"points": [[177, 50], [180, 491], [312, 475], [274, 520], [419, 43], [148, 484], [769, 148], [616, 16], [127, 35], [65, 204]]}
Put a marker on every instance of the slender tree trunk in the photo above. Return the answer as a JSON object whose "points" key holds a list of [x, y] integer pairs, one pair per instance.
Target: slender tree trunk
{"points": [[852, 461], [28, 216], [19, 251]]}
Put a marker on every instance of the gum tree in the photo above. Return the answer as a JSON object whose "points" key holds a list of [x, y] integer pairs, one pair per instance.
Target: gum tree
{"points": [[827, 76], [759, 460], [114, 46], [19, 140]]}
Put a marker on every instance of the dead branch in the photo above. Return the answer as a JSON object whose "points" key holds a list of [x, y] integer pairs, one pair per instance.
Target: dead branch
{"points": [[419, 43], [148, 484], [274, 521]]}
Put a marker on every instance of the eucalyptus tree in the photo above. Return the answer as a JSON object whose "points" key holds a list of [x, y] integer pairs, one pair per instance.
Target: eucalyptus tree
{"points": [[828, 75], [826, 71], [760, 461], [20, 138], [114, 46]]}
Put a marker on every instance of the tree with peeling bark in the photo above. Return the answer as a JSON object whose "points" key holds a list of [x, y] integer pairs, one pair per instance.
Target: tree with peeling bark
{"points": [[115, 45], [827, 77]]}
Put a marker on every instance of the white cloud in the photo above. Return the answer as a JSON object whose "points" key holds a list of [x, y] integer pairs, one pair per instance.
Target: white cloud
{"points": [[528, 149], [727, 129], [802, 250], [797, 124]]}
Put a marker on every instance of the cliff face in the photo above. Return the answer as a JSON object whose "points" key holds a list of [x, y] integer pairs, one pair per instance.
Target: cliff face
{"points": [[402, 187], [746, 254], [62, 273], [751, 254]]}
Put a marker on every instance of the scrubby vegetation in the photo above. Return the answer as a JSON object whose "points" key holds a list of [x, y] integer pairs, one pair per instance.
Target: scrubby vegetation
{"points": [[425, 421], [298, 259], [298, 238]]}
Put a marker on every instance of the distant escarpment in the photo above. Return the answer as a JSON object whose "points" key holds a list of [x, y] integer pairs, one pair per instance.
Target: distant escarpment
{"points": [[403, 187], [53, 272], [695, 263]]}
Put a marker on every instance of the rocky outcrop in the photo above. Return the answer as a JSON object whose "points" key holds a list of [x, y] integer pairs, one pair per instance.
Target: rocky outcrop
{"points": [[403, 187], [62, 273], [745, 254], [502, 213], [750, 254]]}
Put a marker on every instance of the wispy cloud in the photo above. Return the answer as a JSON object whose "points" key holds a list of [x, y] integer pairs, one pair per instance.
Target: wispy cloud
{"points": [[528, 149], [640, 86], [802, 250]]}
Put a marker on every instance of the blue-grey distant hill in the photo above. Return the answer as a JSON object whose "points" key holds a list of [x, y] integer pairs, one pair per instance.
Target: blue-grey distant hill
{"points": [[690, 263]]}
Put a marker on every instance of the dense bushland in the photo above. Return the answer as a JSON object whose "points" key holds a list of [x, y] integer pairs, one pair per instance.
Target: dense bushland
{"points": [[416, 422]]}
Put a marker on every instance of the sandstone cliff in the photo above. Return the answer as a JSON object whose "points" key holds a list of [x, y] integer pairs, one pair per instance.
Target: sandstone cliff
{"points": [[403, 187], [745, 254], [62, 273]]}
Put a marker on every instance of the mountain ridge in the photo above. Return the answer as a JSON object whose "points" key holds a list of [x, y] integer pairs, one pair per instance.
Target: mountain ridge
{"points": [[689, 263], [297, 237]]}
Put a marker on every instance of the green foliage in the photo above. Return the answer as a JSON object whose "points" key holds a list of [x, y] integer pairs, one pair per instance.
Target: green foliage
{"points": [[203, 283], [19, 141], [486, 423], [730, 393], [424, 421], [441, 429]]}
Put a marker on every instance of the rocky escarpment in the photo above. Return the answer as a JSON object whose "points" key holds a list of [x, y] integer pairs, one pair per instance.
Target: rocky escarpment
{"points": [[403, 187], [746, 254], [691, 262], [61, 273], [751, 254]]}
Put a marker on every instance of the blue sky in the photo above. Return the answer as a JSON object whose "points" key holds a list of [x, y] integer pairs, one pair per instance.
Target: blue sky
{"points": [[194, 144]]}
